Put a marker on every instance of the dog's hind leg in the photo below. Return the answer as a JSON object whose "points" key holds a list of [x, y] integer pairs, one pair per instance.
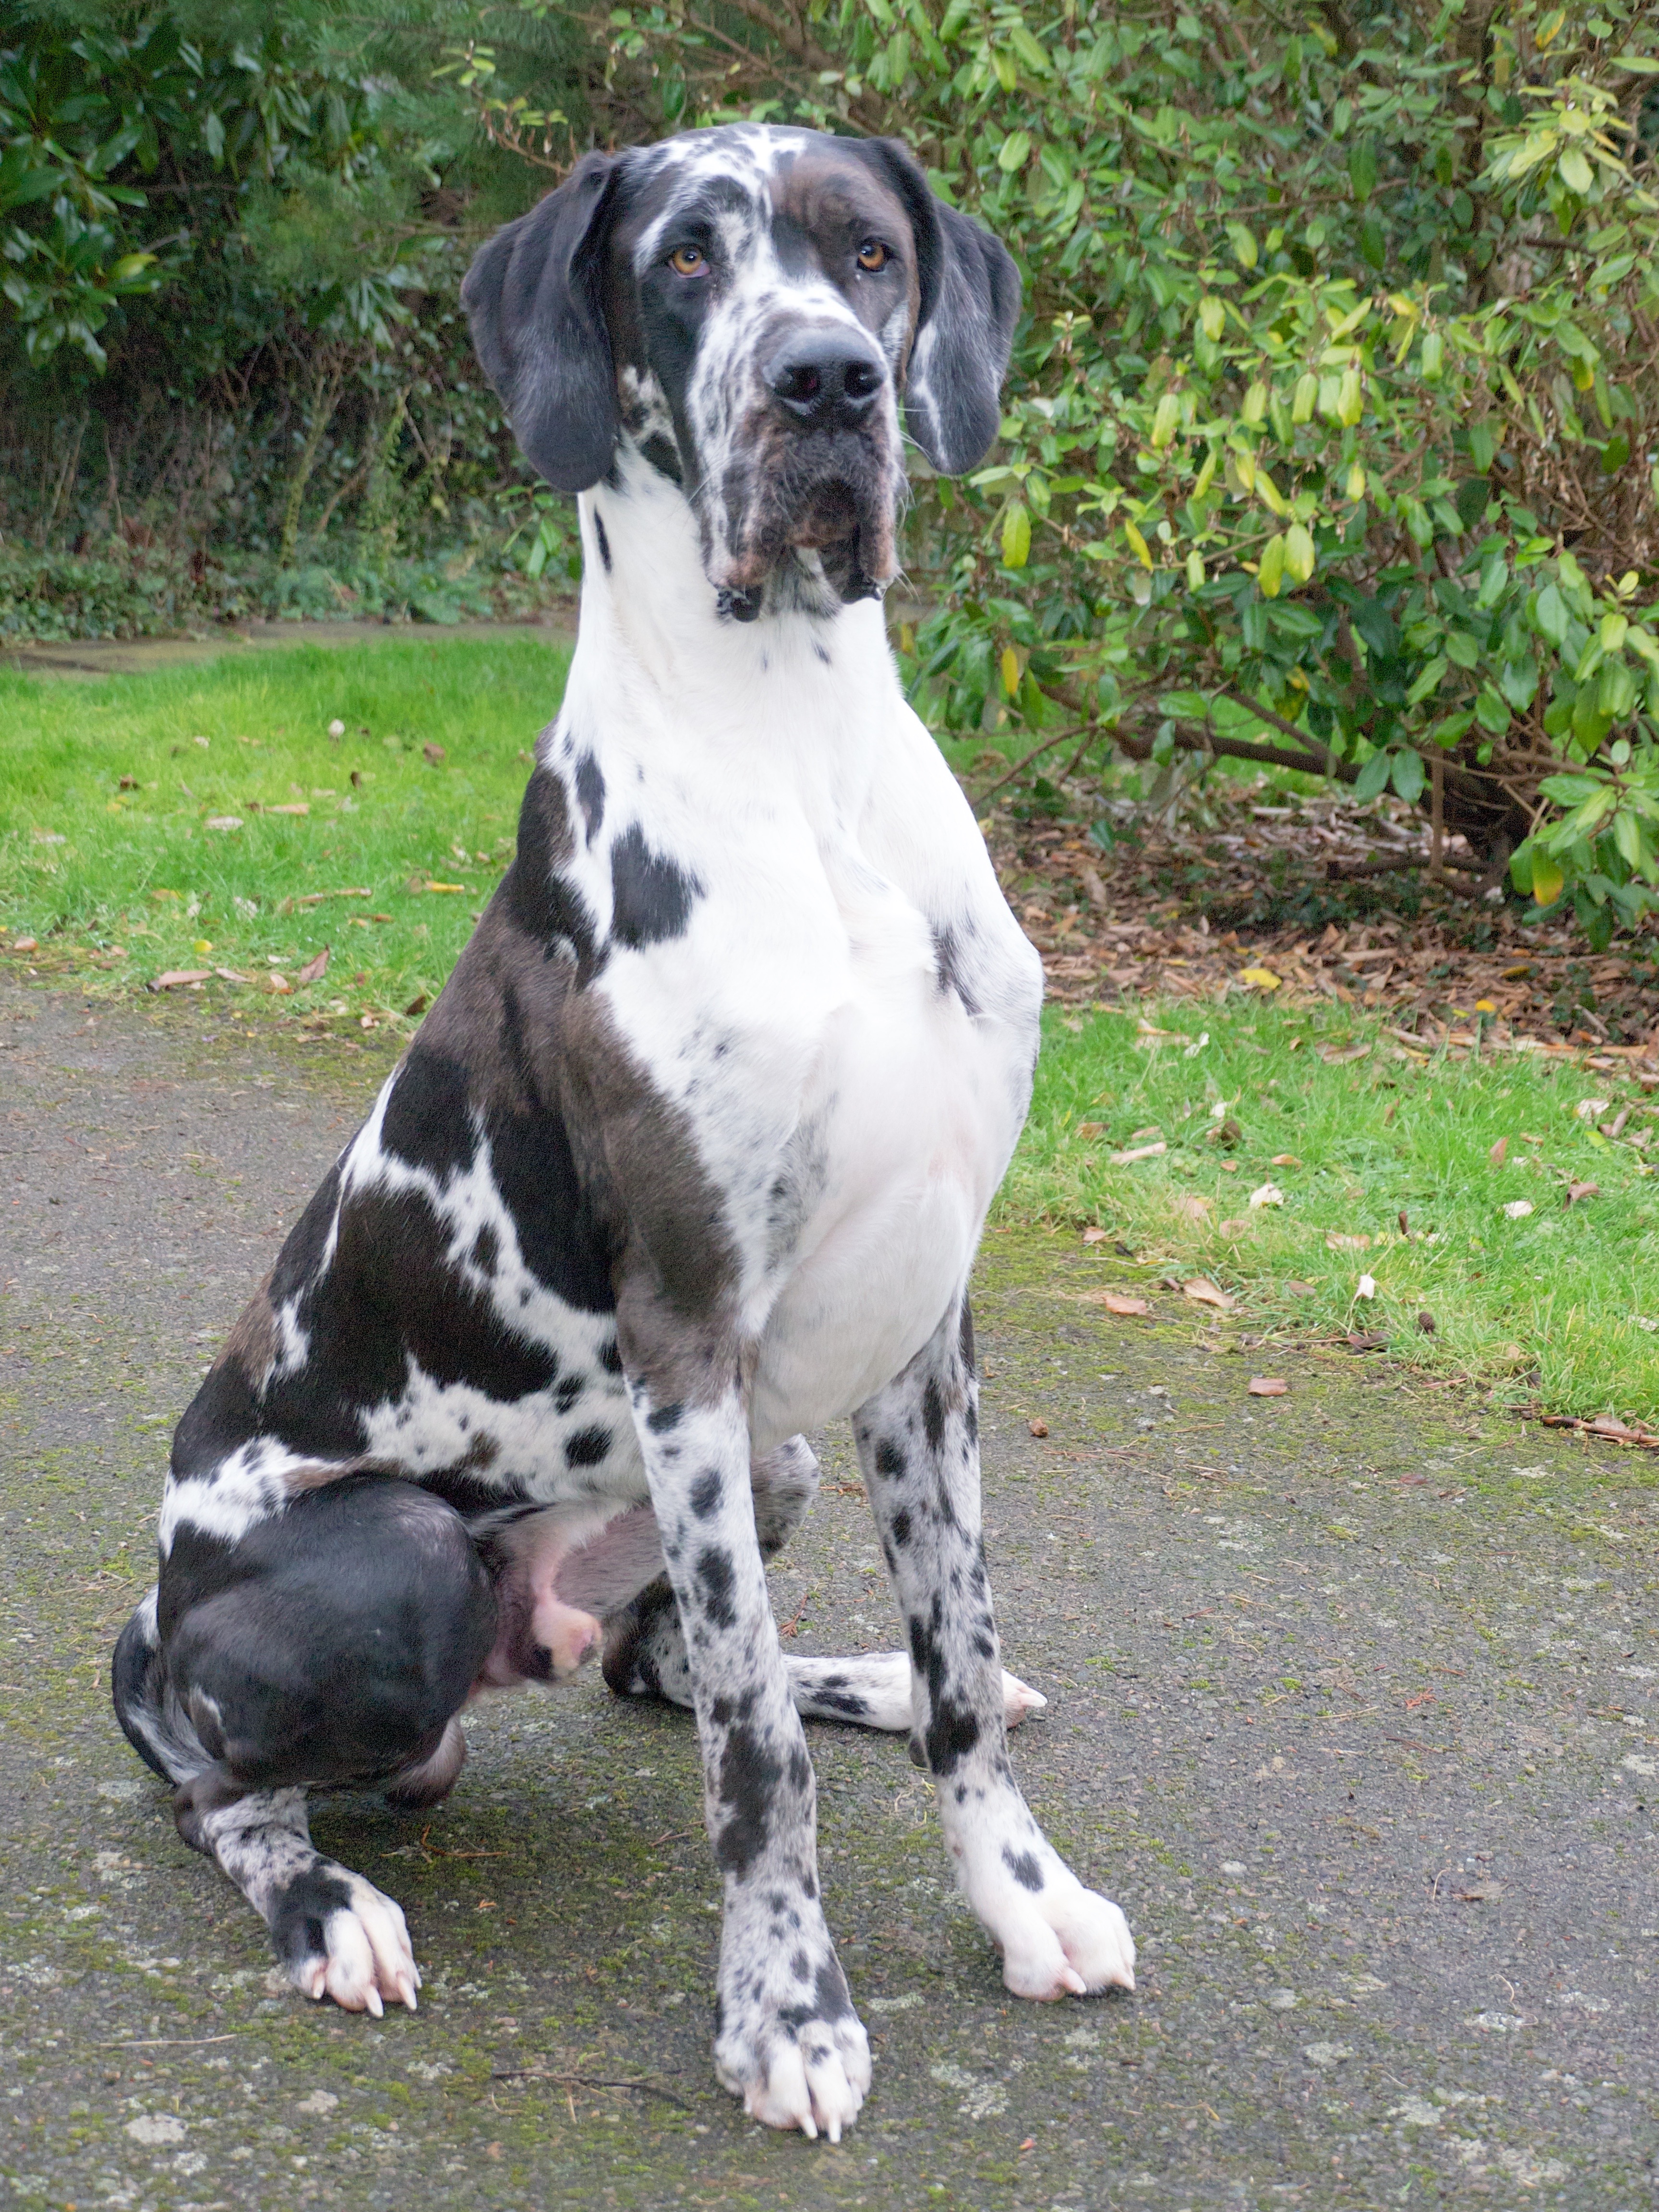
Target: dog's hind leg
{"points": [[334, 1642], [645, 1643]]}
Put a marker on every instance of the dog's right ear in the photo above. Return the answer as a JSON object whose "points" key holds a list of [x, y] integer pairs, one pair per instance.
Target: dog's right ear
{"points": [[534, 299]]}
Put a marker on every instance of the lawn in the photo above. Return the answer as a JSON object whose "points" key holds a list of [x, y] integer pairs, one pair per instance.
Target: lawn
{"points": [[1441, 1183], [203, 819]]}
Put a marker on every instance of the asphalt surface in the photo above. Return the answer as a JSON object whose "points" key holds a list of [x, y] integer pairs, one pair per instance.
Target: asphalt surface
{"points": [[1351, 1709]]}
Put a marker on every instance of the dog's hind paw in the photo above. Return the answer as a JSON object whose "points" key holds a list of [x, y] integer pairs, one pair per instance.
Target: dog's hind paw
{"points": [[816, 2083], [1019, 1698], [339, 1938]]}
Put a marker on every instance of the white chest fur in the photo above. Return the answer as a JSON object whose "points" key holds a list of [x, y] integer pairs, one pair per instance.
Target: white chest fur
{"points": [[848, 1020]]}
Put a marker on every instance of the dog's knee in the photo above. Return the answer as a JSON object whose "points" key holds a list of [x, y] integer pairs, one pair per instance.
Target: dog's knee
{"points": [[337, 1643]]}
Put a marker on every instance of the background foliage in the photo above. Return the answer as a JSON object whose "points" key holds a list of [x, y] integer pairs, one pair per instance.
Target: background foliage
{"points": [[1333, 420]]}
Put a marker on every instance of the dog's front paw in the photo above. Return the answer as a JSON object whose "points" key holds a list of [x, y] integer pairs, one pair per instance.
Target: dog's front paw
{"points": [[789, 2043], [1057, 1938], [339, 1938]]}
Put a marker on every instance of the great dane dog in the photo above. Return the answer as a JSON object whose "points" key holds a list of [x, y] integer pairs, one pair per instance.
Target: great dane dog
{"points": [[691, 1155]]}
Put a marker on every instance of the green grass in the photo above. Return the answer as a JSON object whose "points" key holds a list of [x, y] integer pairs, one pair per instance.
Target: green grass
{"points": [[1567, 1294], [87, 867], [1562, 1292]]}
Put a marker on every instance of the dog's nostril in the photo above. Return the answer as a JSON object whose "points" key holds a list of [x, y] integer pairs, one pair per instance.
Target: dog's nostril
{"points": [[820, 378]]}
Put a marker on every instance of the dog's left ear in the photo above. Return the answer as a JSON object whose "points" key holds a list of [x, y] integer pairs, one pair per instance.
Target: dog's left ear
{"points": [[534, 298], [965, 322]]}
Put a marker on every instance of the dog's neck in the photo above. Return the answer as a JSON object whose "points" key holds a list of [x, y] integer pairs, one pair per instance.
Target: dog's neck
{"points": [[653, 631]]}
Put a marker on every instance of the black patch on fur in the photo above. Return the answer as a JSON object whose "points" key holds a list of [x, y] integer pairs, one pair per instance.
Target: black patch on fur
{"points": [[890, 1460], [663, 454], [536, 893], [588, 1447], [706, 1493], [948, 969], [932, 1413], [486, 1249], [1024, 1867], [651, 895], [603, 542], [427, 1121], [665, 1417], [749, 1779], [571, 1387], [900, 1527], [611, 1357], [590, 794], [300, 1912], [966, 1336], [716, 1579]]}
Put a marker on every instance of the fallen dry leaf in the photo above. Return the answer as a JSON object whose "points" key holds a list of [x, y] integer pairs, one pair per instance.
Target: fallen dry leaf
{"points": [[1095, 1235], [1299, 1290], [1518, 1209], [1495, 1155], [176, 978], [1338, 1055], [1201, 1289], [1261, 979], [315, 971], [26, 944], [1578, 1192], [417, 1005], [1037, 1425], [1284, 1160], [1234, 1229], [1117, 1160], [279, 984], [1190, 1206], [232, 976], [433, 753], [1269, 1386], [298, 806], [1088, 1129], [1365, 1287], [1266, 1193], [1337, 1242], [1115, 1303]]}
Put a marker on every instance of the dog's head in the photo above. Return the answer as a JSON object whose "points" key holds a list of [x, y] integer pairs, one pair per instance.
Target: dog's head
{"points": [[747, 307]]}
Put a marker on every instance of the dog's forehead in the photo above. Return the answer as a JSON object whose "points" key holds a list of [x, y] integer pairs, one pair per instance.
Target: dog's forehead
{"points": [[753, 179]]}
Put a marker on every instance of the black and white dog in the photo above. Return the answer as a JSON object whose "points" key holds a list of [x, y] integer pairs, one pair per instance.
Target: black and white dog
{"points": [[691, 1155]]}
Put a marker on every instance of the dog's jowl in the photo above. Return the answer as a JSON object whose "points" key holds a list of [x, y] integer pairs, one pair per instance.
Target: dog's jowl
{"points": [[691, 1157]]}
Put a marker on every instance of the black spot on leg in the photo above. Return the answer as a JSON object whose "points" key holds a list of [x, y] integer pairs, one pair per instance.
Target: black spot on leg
{"points": [[966, 1336], [301, 1912], [971, 1420], [1024, 1867], [706, 1493], [603, 541], [664, 1419], [486, 1247], [831, 2000], [749, 1779], [800, 1768], [932, 1413], [651, 895], [716, 1580], [951, 1735], [611, 1358], [890, 1460], [587, 1447], [902, 1528], [801, 1966]]}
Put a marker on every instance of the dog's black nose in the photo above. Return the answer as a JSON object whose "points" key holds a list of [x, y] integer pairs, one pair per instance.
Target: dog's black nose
{"points": [[827, 379]]}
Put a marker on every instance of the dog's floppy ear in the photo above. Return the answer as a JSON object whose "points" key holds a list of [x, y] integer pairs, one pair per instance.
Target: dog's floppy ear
{"points": [[533, 296], [964, 324]]}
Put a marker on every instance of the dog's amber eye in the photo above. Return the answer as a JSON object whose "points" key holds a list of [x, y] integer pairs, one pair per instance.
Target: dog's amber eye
{"points": [[873, 255], [687, 261]]}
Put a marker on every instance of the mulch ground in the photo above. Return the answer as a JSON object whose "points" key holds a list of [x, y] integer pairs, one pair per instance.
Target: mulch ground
{"points": [[1309, 900]]}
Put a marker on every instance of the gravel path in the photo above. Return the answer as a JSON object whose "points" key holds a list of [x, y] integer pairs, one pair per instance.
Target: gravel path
{"points": [[1352, 1708]]}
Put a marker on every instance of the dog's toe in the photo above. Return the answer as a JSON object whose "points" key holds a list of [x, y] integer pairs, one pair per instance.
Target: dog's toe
{"points": [[1069, 1942], [1095, 1939]]}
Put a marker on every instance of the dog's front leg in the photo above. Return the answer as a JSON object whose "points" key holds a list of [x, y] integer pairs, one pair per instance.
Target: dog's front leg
{"points": [[919, 1444], [786, 2038]]}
